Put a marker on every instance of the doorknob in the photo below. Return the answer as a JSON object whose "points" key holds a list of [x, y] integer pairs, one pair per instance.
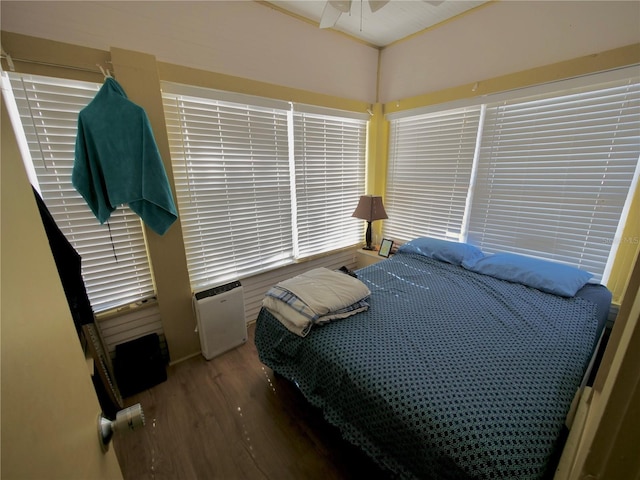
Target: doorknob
{"points": [[128, 419]]}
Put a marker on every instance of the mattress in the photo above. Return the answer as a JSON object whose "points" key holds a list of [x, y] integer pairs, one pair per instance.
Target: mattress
{"points": [[450, 374]]}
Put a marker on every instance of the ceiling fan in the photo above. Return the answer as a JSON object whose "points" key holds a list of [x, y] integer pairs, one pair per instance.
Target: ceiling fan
{"points": [[334, 8]]}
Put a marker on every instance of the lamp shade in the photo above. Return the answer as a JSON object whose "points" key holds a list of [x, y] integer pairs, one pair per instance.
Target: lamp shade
{"points": [[370, 208]]}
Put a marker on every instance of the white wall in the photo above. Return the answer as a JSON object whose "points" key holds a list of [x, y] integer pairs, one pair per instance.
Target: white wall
{"points": [[239, 38], [505, 37], [250, 40]]}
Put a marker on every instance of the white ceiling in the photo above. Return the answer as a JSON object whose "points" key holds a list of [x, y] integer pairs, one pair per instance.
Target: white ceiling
{"points": [[395, 20]]}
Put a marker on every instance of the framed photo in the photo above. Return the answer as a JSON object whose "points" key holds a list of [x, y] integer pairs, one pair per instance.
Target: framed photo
{"points": [[385, 247]]}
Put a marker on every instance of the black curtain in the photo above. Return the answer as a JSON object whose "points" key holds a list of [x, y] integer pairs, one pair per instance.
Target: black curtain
{"points": [[68, 262]]}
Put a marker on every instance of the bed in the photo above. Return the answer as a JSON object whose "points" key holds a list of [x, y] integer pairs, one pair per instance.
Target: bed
{"points": [[451, 373]]}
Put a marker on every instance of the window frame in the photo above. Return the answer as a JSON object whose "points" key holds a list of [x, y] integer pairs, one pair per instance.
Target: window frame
{"points": [[327, 233], [468, 229], [115, 263]]}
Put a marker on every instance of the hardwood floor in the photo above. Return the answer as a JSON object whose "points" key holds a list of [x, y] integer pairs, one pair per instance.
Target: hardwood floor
{"points": [[230, 418]]}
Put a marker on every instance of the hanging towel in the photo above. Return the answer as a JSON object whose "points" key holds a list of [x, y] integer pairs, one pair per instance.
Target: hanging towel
{"points": [[117, 160]]}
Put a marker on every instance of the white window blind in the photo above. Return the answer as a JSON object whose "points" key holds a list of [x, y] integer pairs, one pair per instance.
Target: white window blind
{"points": [[231, 169], [555, 169], [554, 173], [261, 183], [329, 177], [115, 265], [430, 164]]}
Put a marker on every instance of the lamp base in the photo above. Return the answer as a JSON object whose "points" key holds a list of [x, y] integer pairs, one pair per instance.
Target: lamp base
{"points": [[367, 238]]}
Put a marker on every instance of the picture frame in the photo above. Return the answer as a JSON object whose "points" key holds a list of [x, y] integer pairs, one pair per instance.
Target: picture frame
{"points": [[385, 248]]}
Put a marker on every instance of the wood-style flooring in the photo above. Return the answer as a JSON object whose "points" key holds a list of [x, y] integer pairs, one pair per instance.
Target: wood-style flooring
{"points": [[231, 418]]}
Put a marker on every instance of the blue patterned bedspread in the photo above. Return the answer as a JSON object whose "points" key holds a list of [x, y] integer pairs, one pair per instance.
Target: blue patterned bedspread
{"points": [[449, 374]]}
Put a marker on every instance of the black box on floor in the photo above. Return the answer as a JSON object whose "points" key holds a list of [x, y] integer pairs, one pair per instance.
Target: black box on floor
{"points": [[139, 364]]}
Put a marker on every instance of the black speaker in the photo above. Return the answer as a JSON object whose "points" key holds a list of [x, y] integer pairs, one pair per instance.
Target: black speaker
{"points": [[139, 365]]}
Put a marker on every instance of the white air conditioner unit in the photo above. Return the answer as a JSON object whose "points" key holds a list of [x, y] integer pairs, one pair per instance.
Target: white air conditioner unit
{"points": [[220, 316]]}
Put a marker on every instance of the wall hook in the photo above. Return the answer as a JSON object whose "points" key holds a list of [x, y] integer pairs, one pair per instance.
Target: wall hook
{"points": [[106, 73], [9, 60]]}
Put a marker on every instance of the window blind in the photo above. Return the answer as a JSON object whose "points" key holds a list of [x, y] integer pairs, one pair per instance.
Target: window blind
{"points": [[231, 169], [261, 182], [430, 165], [329, 178], [555, 169], [115, 265], [554, 174]]}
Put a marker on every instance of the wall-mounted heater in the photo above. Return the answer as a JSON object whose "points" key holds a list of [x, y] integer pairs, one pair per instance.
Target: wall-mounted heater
{"points": [[220, 316]]}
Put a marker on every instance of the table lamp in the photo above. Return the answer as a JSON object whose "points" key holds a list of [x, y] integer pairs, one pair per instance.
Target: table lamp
{"points": [[369, 208]]}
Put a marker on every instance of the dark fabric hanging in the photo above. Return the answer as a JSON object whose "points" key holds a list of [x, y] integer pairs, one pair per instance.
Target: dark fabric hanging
{"points": [[68, 262]]}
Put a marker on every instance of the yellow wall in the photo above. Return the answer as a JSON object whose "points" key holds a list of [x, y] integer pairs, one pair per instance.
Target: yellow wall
{"points": [[604, 438], [49, 406], [140, 74], [628, 249]]}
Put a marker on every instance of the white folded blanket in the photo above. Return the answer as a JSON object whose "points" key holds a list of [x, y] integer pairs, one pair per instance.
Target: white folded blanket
{"points": [[315, 297]]}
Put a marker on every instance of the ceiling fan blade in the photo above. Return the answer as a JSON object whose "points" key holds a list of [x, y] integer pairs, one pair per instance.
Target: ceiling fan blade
{"points": [[332, 11], [330, 16], [376, 5], [343, 5], [435, 3]]}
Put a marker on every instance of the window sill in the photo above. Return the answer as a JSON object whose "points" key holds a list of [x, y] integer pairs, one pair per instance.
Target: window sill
{"points": [[115, 312]]}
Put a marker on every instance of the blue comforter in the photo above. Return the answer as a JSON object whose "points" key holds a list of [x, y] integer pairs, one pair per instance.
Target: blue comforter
{"points": [[450, 374]]}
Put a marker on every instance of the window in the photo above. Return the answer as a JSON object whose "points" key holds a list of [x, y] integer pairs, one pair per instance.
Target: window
{"points": [[551, 172], [231, 168], [430, 162], [554, 173], [115, 266], [329, 162], [259, 184]]}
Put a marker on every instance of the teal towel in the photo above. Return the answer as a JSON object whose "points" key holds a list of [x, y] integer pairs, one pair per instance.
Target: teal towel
{"points": [[117, 160]]}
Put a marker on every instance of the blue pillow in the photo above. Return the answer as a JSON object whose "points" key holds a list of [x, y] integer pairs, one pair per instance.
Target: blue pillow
{"points": [[443, 250], [545, 275]]}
